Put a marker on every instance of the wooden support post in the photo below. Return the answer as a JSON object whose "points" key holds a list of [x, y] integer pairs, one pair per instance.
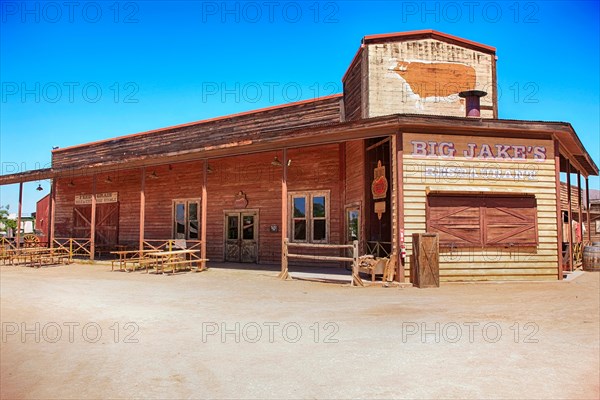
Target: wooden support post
{"points": [[400, 201], [342, 188], [356, 280], [204, 213], [93, 221], [52, 213], [284, 274], [20, 210], [579, 206], [570, 204], [142, 209], [587, 207], [559, 218]]}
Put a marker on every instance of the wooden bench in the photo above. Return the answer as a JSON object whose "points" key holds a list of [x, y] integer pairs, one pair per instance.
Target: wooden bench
{"points": [[174, 264], [136, 258]]}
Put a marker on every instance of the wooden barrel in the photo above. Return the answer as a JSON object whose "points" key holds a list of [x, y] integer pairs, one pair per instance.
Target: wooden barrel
{"points": [[591, 258]]}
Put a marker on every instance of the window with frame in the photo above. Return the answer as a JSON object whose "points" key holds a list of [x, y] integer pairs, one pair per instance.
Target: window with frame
{"points": [[186, 218], [483, 220], [309, 217]]}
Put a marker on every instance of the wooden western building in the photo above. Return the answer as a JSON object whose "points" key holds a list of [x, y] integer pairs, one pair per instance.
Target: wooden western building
{"points": [[412, 145]]}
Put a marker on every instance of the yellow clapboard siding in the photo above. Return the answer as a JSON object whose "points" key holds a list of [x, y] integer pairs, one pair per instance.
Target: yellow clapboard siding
{"points": [[478, 189], [497, 271], [532, 277], [521, 261], [463, 162], [500, 263]]}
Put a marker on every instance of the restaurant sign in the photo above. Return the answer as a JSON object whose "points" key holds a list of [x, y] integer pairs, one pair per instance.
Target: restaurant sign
{"points": [[101, 198], [379, 186], [471, 150]]}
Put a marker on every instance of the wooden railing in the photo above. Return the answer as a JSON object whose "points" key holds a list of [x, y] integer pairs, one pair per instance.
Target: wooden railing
{"points": [[284, 274], [74, 246], [378, 249], [6, 246]]}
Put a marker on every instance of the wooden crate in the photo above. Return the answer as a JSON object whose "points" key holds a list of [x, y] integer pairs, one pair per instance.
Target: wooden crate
{"points": [[425, 260]]}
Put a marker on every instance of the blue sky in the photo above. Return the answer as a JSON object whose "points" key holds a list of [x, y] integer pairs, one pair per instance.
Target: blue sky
{"points": [[74, 73]]}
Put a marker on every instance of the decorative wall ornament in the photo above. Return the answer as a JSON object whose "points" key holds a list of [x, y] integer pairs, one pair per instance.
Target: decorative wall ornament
{"points": [[379, 186], [240, 200]]}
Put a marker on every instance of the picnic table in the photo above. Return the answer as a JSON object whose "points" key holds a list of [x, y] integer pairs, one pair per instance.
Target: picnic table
{"points": [[135, 257], [174, 259], [36, 256]]}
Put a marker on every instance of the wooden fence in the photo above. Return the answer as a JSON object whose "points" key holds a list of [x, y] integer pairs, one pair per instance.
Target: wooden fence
{"points": [[284, 274], [74, 246]]}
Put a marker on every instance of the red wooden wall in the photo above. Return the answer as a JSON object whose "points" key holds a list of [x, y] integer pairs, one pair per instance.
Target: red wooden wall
{"points": [[310, 169]]}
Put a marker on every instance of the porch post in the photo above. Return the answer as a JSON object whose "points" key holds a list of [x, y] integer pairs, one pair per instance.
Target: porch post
{"points": [[284, 218], [93, 221], [51, 212], [559, 218], [19, 211], [569, 200], [204, 213], [142, 208], [579, 205], [587, 207], [400, 203]]}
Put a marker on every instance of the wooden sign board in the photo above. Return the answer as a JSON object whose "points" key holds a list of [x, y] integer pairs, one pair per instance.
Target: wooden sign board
{"points": [[379, 208], [101, 198]]}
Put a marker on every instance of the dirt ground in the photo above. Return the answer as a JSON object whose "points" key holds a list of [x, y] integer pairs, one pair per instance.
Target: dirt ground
{"points": [[81, 331]]}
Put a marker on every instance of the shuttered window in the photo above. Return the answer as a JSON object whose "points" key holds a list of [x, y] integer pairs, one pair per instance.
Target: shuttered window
{"points": [[479, 221]]}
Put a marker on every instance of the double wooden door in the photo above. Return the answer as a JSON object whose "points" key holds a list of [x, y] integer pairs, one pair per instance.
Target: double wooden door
{"points": [[107, 223], [241, 236]]}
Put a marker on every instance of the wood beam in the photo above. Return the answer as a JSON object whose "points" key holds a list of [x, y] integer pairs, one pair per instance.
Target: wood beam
{"points": [[19, 213], [284, 218], [559, 218], [579, 206], [400, 200], [142, 208], [52, 212], [587, 207], [342, 189], [93, 221], [204, 213], [570, 204]]}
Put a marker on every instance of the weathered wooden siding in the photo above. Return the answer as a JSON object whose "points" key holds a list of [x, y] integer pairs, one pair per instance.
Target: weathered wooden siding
{"points": [[311, 169], [425, 76], [423, 174], [42, 218], [353, 89], [200, 135], [355, 180], [564, 196]]}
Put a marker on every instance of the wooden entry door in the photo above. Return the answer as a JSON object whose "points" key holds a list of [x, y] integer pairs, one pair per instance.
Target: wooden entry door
{"points": [[107, 223], [241, 236]]}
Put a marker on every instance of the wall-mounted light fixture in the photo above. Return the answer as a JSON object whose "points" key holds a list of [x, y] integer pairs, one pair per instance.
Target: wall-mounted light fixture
{"points": [[71, 184], [153, 175], [108, 179], [39, 188], [209, 169], [277, 163]]}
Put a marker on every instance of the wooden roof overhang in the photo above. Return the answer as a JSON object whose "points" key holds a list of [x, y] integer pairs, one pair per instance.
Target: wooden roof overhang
{"points": [[274, 140]]}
